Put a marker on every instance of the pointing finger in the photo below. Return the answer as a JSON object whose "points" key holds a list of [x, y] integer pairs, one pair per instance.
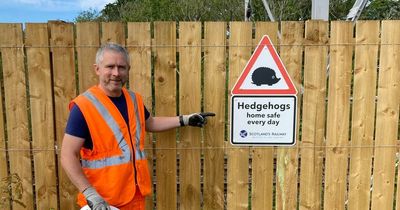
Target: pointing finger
{"points": [[207, 114]]}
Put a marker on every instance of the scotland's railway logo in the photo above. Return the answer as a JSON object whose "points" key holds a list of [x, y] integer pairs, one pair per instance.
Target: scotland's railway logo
{"points": [[243, 134]]}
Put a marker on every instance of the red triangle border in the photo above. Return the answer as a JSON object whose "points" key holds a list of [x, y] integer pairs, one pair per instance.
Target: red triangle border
{"points": [[265, 41]]}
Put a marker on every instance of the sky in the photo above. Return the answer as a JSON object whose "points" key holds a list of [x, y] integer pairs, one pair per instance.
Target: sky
{"points": [[41, 11]]}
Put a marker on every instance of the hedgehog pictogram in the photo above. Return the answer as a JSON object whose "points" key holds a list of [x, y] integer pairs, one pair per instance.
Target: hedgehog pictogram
{"points": [[264, 75]]}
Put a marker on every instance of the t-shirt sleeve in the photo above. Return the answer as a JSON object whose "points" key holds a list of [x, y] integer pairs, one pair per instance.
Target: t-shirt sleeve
{"points": [[76, 124], [146, 113]]}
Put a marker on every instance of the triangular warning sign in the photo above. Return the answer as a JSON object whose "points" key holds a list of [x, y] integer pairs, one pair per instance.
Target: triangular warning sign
{"points": [[264, 73]]}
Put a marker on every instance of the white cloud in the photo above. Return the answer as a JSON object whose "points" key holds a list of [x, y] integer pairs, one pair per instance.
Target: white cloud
{"points": [[46, 5], [64, 5], [31, 2], [94, 4]]}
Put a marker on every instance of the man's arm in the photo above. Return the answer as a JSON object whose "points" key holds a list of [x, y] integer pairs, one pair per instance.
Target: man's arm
{"points": [[158, 124], [70, 148]]}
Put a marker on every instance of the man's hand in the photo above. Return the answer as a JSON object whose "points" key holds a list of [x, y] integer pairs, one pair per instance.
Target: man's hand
{"points": [[195, 119], [94, 200]]}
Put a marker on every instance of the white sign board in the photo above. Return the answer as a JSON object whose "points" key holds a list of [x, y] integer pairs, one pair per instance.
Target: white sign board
{"points": [[263, 120], [263, 108]]}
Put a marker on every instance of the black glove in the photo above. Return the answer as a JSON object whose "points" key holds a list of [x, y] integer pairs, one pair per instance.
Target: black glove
{"points": [[94, 200], [195, 119]]}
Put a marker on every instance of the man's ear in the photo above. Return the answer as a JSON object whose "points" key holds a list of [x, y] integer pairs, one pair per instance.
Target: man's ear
{"points": [[96, 69]]}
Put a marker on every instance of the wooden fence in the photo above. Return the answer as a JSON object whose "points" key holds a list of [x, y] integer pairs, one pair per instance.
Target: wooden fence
{"points": [[346, 154]]}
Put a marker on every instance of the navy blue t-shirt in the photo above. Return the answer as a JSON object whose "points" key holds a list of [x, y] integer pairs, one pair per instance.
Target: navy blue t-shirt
{"points": [[77, 126]]}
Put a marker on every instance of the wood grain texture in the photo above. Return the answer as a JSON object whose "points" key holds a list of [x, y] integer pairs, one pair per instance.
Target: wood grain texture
{"points": [[214, 101], [165, 105], [5, 204], [87, 43], [291, 53], [189, 102], [113, 32], [338, 114], [16, 115], [41, 110], [64, 85], [363, 115], [240, 42], [387, 116], [313, 130]]}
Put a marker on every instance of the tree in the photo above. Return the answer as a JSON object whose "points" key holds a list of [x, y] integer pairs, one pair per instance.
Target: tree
{"points": [[283, 10], [173, 10], [381, 10], [230, 10], [89, 15], [338, 9]]}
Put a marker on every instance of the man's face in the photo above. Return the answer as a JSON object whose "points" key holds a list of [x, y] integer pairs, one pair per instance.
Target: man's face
{"points": [[113, 73]]}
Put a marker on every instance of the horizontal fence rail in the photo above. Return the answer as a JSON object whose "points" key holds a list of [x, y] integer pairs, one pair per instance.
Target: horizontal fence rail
{"points": [[347, 150]]}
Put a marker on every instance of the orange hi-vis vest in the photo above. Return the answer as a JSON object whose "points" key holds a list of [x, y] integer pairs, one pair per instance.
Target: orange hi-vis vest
{"points": [[117, 147]]}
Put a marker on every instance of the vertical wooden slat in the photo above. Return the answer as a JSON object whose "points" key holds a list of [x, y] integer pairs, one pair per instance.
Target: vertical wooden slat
{"points": [[62, 47], [263, 158], [362, 129], [397, 188], [138, 45], [214, 94], [287, 158], [113, 32], [5, 202], [337, 134], [41, 107], [87, 43], [165, 105], [16, 114], [387, 119], [190, 101], [238, 158], [315, 62]]}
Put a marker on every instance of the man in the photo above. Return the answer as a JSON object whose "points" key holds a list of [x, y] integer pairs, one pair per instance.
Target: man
{"points": [[106, 127]]}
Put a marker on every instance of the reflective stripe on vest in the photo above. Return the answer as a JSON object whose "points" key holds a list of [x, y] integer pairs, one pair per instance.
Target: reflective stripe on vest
{"points": [[122, 144], [139, 155]]}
